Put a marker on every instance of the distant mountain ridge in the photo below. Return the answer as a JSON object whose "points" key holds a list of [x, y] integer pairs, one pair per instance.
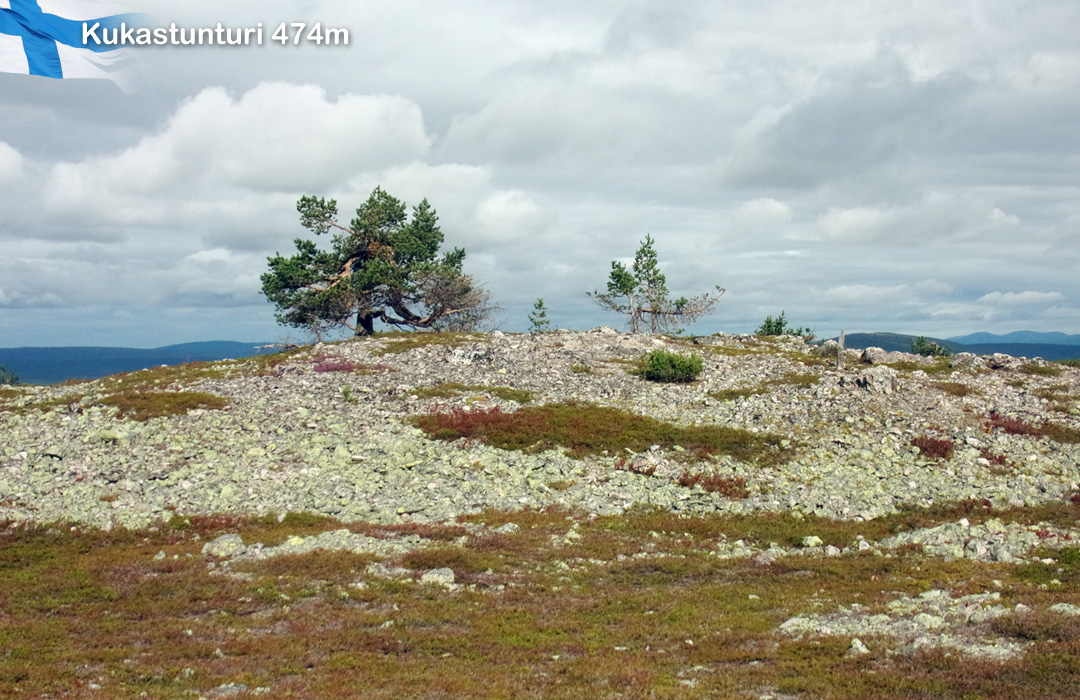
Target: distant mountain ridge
{"points": [[50, 365], [896, 342], [893, 342], [1018, 337]]}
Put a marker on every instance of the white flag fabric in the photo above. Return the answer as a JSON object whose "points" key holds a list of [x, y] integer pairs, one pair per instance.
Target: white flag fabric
{"points": [[45, 37]]}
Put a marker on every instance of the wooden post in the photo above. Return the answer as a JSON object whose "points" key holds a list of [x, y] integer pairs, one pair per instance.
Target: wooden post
{"points": [[840, 352]]}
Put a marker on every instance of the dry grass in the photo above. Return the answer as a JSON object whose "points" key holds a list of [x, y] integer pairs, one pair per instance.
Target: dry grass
{"points": [[399, 342], [142, 406], [733, 394], [13, 405], [634, 606], [956, 389], [1040, 370], [940, 366], [795, 379], [159, 391], [448, 390]]}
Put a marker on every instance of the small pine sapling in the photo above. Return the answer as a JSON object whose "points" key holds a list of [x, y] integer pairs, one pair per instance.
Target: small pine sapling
{"points": [[538, 320]]}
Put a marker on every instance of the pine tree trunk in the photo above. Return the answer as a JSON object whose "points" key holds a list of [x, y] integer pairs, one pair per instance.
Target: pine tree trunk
{"points": [[365, 323]]}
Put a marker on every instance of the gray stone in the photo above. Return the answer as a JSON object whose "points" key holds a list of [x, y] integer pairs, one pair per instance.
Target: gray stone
{"points": [[226, 546], [857, 648], [874, 356], [442, 577], [1066, 609]]}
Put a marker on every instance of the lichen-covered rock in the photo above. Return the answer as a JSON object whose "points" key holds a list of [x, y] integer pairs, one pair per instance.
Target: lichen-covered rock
{"points": [[225, 546], [290, 441], [441, 577]]}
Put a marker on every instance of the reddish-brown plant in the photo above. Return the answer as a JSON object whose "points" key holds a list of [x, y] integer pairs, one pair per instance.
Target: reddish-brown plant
{"points": [[934, 448], [733, 487]]}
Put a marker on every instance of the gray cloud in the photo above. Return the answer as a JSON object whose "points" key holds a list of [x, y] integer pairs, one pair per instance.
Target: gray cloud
{"points": [[881, 166]]}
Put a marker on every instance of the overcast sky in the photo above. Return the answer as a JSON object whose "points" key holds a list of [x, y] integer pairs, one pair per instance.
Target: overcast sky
{"points": [[874, 166]]}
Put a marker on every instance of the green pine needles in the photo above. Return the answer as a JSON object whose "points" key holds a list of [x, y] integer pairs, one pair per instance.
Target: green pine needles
{"points": [[538, 320], [779, 326], [669, 367], [641, 293], [928, 348], [384, 266]]}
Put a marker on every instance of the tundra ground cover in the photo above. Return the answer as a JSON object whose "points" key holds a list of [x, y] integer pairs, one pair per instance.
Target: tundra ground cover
{"points": [[549, 603]]}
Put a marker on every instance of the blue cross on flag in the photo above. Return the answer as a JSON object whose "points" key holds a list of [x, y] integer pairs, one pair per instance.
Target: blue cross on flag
{"points": [[45, 37]]}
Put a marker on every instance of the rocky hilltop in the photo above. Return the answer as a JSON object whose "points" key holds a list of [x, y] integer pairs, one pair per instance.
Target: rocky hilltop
{"points": [[326, 429]]}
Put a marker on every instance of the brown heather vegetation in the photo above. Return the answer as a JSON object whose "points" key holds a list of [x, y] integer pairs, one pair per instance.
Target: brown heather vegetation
{"points": [[636, 606], [934, 448], [1016, 426], [956, 388], [93, 614], [733, 487], [586, 429], [153, 404]]}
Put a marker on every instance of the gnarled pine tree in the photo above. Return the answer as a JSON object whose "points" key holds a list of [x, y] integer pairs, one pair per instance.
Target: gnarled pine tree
{"points": [[384, 267]]}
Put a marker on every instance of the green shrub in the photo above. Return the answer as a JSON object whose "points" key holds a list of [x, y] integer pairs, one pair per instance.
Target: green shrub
{"points": [[927, 348], [7, 377], [779, 326], [664, 366]]}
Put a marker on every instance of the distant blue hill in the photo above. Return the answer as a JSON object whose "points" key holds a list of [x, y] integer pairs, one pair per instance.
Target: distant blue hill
{"points": [[902, 343], [1018, 337], [1046, 351], [893, 342], [53, 365]]}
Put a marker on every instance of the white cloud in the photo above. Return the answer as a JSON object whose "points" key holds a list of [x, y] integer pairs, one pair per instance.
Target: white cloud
{"points": [[889, 295], [933, 287], [1067, 313], [11, 164], [933, 217], [868, 295], [219, 150], [893, 143], [1019, 298], [510, 216], [763, 211]]}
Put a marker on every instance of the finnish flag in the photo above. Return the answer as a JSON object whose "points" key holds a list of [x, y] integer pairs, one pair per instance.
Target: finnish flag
{"points": [[45, 37]]}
